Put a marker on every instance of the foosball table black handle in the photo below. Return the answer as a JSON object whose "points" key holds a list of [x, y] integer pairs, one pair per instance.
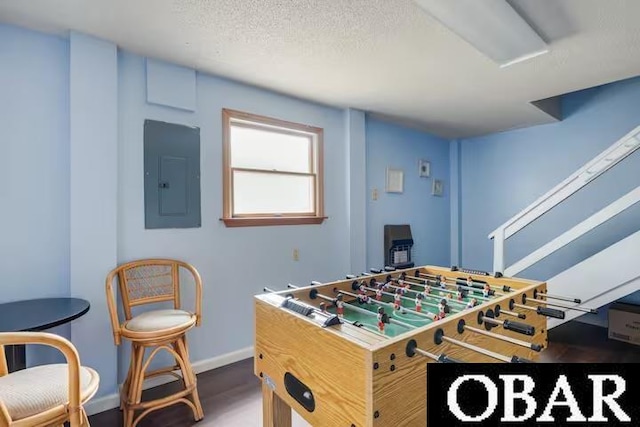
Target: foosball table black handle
{"points": [[550, 312], [536, 347], [446, 359], [472, 271], [521, 328], [516, 359]]}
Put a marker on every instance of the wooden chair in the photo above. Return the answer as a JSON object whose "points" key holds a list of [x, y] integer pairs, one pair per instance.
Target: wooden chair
{"points": [[46, 395], [150, 281]]}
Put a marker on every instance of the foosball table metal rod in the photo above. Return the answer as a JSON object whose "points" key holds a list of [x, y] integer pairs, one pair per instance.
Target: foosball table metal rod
{"points": [[543, 311], [387, 304], [514, 314], [439, 337], [401, 297], [481, 298], [503, 288], [519, 327], [412, 349], [367, 312], [432, 297], [462, 326], [457, 286], [558, 297], [358, 309], [351, 322], [554, 304]]}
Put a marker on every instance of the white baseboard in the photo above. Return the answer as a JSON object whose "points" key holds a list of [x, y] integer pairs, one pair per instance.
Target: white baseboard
{"points": [[111, 401]]}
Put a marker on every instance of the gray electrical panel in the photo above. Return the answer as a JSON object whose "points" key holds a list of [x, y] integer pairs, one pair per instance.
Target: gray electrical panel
{"points": [[171, 175]]}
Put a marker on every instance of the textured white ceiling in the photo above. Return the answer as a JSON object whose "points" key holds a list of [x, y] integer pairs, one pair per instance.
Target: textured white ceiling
{"points": [[386, 57]]}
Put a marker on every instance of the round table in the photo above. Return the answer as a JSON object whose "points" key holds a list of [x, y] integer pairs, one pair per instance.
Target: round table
{"points": [[36, 315]]}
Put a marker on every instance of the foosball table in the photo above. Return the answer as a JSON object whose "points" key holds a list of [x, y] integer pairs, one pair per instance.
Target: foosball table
{"points": [[354, 352]]}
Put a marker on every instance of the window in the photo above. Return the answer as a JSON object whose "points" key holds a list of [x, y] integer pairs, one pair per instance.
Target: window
{"points": [[272, 171]]}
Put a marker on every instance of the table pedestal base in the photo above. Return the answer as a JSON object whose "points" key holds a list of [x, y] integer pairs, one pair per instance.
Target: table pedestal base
{"points": [[16, 357]]}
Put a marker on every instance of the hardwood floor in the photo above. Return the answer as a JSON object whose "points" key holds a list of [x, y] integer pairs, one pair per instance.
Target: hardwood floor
{"points": [[231, 395]]}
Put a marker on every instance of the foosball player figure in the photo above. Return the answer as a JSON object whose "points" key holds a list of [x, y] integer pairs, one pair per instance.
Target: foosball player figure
{"points": [[442, 282], [472, 303], [339, 305], [427, 290], [407, 288], [379, 292], [442, 306], [402, 286], [397, 299], [419, 303], [486, 291], [460, 296], [323, 307], [445, 303], [362, 294], [381, 319], [470, 282]]}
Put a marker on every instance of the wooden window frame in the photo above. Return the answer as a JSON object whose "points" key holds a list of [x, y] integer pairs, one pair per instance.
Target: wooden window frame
{"points": [[255, 121]]}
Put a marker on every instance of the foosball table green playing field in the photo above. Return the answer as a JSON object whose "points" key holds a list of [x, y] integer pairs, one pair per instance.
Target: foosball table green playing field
{"points": [[354, 352]]}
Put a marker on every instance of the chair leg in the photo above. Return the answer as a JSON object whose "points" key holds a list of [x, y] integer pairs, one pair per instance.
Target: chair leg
{"points": [[190, 379], [134, 394], [127, 381], [176, 348]]}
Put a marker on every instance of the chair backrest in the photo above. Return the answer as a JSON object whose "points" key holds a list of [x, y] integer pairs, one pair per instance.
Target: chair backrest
{"points": [[147, 281], [72, 411]]}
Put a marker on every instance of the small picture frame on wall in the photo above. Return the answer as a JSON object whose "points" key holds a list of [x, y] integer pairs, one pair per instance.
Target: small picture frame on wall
{"points": [[424, 168], [395, 181], [437, 188]]}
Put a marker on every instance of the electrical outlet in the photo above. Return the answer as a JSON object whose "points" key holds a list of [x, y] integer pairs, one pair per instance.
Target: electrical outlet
{"points": [[374, 196], [296, 255]]}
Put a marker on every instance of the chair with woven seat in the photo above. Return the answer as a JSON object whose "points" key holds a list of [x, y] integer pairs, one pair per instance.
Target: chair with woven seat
{"points": [[150, 281], [45, 395]]}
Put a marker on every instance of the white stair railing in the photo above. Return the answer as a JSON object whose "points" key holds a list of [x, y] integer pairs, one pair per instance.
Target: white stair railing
{"points": [[582, 177]]}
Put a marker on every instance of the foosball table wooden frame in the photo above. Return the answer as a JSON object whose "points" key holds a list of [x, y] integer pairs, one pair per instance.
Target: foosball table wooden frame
{"points": [[337, 374]]}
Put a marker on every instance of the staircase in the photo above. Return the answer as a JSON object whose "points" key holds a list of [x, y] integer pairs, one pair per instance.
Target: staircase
{"points": [[598, 286], [603, 278]]}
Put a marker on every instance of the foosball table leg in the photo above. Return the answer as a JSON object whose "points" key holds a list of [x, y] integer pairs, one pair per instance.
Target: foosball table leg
{"points": [[275, 411]]}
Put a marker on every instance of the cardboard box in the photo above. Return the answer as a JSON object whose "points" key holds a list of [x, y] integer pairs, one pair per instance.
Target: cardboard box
{"points": [[624, 323]]}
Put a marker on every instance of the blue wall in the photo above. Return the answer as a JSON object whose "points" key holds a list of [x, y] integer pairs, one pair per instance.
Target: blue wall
{"points": [[503, 173], [93, 116], [34, 170], [235, 263], [34, 166], [393, 146]]}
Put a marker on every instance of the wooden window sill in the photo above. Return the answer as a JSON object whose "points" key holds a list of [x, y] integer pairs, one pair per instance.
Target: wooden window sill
{"points": [[265, 221]]}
